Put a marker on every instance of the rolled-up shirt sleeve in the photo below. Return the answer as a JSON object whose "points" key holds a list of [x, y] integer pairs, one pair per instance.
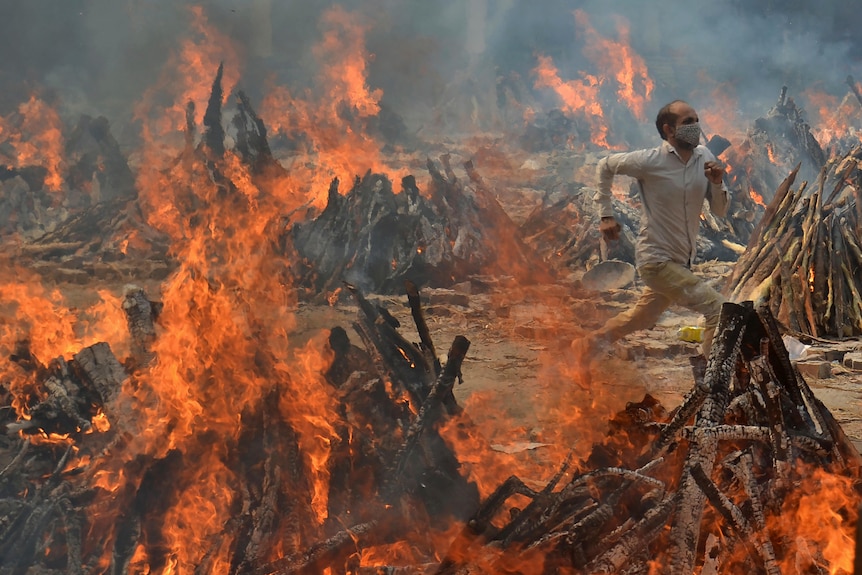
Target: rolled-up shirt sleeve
{"points": [[626, 164]]}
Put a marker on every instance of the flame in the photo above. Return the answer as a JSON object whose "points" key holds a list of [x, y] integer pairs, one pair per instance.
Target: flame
{"points": [[311, 408], [832, 119], [819, 523], [770, 153], [186, 77], [720, 113], [758, 199], [35, 134], [330, 118], [634, 86], [580, 98]]}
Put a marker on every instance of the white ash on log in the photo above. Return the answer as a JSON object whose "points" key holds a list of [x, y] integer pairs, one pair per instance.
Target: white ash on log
{"points": [[805, 256]]}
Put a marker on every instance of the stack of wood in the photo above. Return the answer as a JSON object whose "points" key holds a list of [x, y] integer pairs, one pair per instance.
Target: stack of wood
{"points": [[804, 257], [701, 491], [95, 171], [387, 459], [376, 239], [774, 144], [390, 471]]}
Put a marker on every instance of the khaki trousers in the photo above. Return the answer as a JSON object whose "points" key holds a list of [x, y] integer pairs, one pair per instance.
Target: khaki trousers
{"points": [[667, 283]]}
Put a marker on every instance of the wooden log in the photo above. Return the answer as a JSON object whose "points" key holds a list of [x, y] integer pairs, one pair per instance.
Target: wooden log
{"points": [[787, 314], [742, 467], [850, 269], [415, 301], [141, 316], [778, 205], [641, 534], [783, 372], [400, 361], [429, 412], [328, 553], [685, 528], [780, 442], [838, 287], [100, 370], [735, 518]]}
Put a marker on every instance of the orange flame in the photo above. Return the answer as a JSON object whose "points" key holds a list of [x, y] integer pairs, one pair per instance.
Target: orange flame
{"points": [[832, 119], [37, 139], [634, 86], [579, 97], [187, 77], [330, 118]]}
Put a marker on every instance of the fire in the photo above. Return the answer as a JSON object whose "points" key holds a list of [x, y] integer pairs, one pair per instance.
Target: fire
{"points": [[580, 97], [35, 134], [819, 523], [186, 78], [758, 199], [720, 111], [832, 119], [330, 120], [634, 86], [770, 152]]}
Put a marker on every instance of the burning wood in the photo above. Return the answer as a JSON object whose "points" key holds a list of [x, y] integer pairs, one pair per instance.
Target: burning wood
{"points": [[393, 459], [228, 400], [375, 238], [804, 256], [749, 436]]}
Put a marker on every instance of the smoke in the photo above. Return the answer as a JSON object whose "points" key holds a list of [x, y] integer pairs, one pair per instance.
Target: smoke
{"points": [[99, 56]]}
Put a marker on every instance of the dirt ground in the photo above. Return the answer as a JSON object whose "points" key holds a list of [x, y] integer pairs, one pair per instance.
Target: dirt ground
{"points": [[519, 382]]}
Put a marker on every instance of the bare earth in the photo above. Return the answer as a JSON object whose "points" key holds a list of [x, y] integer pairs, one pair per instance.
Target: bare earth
{"points": [[519, 383]]}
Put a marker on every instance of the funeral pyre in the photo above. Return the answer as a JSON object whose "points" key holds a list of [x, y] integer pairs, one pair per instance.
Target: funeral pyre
{"points": [[189, 435], [179, 428]]}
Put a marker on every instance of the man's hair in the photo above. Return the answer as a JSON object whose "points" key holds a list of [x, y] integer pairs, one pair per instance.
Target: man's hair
{"points": [[665, 116]]}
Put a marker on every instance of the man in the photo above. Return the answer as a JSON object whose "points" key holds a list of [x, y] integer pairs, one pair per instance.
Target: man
{"points": [[674, 178]]}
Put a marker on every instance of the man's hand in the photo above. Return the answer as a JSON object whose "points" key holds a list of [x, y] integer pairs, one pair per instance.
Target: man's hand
{"points": [[610, 228], [714, 171]]}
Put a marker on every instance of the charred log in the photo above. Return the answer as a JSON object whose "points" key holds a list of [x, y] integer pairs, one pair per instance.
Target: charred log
{"points": [[376, 239]]}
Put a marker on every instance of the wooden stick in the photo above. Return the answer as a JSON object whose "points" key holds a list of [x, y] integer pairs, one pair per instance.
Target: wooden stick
{"points": [[415, 302], [429, 411], [685, 529]]}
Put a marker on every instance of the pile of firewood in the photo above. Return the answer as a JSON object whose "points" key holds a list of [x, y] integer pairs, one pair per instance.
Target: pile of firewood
{"points": [[805, 255], [376, 238], [388, 460], [698, 491]]}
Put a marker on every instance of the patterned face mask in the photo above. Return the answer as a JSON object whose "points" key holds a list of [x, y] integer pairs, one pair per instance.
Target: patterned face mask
{"points": [[688, 134]]}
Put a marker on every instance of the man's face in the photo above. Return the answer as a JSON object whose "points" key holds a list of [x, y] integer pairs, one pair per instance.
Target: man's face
{"points": [[686, 115]]}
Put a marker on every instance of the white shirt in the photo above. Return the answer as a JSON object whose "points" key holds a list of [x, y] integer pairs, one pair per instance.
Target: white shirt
{"points": [[672, 194]]}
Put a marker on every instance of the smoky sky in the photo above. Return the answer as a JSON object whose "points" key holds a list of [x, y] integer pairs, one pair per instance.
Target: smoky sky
{"points": [[98, 56]]}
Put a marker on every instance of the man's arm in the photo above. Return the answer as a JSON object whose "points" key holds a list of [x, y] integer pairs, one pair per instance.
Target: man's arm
{"points": [[716, 192], [719, 199], [626, 164]]}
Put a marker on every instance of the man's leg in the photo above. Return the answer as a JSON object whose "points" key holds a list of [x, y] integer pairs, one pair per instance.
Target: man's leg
{"points": [[643, 315], [683, 287]]}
